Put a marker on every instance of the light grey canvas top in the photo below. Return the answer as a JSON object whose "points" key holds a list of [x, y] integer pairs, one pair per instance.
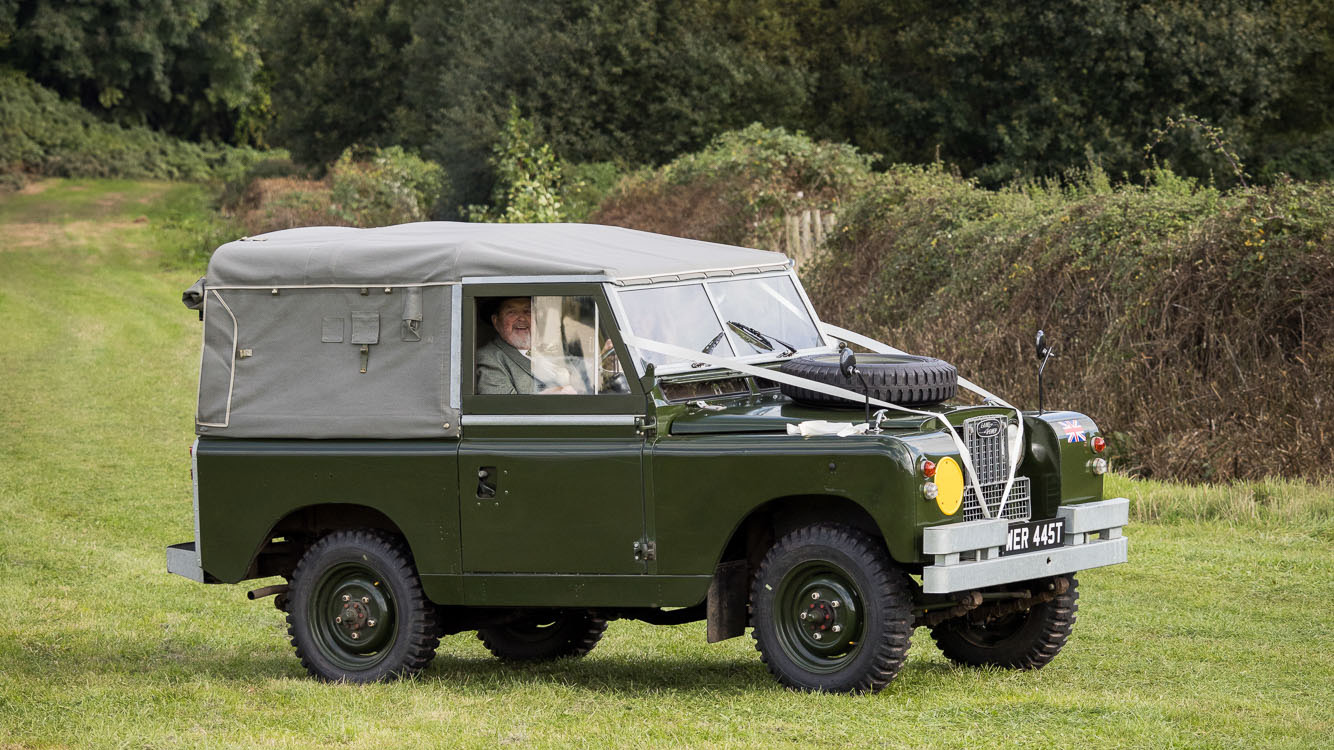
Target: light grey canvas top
{"points": [[440, 252]]}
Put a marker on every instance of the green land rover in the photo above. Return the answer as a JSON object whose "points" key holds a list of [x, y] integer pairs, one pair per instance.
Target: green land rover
{"points": [[528, 431]]}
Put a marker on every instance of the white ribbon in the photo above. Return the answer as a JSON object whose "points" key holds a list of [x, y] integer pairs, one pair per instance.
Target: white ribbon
{"points": [[880, 348], [829, 390]]}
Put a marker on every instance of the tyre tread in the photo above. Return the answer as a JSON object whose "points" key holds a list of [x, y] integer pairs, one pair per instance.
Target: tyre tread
{"points": [[1058, 619], [894, 636], [423, 631]]}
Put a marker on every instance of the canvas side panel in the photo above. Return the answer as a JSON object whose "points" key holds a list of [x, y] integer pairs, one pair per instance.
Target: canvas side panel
{"points": [[302, 352]]}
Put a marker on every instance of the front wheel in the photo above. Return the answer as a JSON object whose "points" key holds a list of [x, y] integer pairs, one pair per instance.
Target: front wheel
{"points": [[356, 611], [831, 612], [1022, 640]]}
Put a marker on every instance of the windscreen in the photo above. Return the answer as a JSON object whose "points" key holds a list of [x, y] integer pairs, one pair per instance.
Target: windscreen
{"points": [[678, 315], [736, 317], [765, 315]]}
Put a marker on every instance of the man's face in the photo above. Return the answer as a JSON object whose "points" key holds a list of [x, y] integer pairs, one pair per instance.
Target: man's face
{"points": [[513, 321]]}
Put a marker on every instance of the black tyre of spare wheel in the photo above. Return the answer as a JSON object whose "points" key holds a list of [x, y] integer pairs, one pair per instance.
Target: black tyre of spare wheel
{"points": [[903, 379]]}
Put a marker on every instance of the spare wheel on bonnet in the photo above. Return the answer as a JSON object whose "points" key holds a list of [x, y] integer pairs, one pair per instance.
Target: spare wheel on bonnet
{"points": [[903, 379]]}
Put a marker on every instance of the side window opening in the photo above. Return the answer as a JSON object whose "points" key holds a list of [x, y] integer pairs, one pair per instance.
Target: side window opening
{"points": [[544, 345]]}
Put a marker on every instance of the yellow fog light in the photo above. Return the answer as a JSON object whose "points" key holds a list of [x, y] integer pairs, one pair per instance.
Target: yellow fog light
{"points": [[949, 486]]}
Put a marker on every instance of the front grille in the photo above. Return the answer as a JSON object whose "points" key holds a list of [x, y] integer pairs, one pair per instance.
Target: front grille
{"points": [[989, 447], [1018, 508]]}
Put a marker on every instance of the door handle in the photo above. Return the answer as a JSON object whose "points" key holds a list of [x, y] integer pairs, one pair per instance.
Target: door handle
{"points": [[486, 482]]}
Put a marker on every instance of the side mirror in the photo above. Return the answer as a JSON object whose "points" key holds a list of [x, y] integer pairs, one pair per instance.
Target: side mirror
{"points": [[847, 363], [1042, 348]]}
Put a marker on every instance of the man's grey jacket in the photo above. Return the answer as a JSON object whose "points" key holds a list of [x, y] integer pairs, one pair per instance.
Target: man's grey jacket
{"points": [[502, 369]]}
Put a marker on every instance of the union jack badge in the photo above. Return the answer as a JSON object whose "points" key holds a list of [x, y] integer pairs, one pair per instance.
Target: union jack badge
{"points": [[1073, 432]]}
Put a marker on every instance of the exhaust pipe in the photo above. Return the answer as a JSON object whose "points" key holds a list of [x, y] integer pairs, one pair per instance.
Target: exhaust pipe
{"points": [[280, 588]]}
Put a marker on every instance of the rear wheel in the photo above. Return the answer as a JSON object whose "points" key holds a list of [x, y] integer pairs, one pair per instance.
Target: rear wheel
{"points": [[1022, 640], [831, 612], [546, 635], [356, 609]]}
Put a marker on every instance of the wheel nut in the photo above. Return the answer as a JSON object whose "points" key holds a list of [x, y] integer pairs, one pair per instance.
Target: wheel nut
{"points": [[338, 619], [815, 594], [802, 615], [347, 598], [355, 635], [370, 623], [365, 600], [837, 628], [835, 603], [817, 636]]}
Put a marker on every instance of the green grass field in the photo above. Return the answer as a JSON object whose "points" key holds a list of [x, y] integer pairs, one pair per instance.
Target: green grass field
{"points": [[1219, 633]]}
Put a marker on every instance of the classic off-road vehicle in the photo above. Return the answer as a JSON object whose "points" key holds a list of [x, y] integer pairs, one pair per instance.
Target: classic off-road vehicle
{"points": [[531, 430]]}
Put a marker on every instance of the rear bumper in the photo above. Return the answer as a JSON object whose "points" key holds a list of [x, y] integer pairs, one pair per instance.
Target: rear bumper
{"points": [[967, 555], [183, 560]]}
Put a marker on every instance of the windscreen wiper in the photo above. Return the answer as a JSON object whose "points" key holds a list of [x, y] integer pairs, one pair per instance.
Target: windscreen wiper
{"points": [[708, 349], [757, 339]]}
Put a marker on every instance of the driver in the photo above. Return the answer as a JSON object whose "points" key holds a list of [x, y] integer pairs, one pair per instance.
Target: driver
{"points": [[504, 365]]}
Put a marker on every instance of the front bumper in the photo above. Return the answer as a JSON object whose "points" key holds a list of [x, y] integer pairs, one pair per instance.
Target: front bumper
{"points": [[967, 555]]}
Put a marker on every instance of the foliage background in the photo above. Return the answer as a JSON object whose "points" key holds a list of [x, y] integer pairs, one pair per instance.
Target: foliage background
{"points": [[1193, 322], [1004, 89], [981, 169]]}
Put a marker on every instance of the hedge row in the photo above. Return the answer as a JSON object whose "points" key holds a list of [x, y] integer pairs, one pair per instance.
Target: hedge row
{"points": [[1195, 325]]}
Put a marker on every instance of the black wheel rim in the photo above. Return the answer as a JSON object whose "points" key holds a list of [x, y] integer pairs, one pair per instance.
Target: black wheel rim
{"points": [[353, 616], [819, 616]]}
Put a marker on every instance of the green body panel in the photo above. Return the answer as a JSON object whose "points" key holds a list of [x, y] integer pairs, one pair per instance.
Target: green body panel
{"points": [[1063, 463], [571, 501], [247, 486], [585, 590], [564, 502]]}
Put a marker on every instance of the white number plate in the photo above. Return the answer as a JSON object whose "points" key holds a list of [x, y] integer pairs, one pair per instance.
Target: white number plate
{"points": [[1032, 536]]}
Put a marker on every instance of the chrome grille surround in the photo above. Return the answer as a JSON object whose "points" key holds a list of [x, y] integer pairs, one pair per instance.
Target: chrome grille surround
{"points": [[988, 446], [989, 453]]}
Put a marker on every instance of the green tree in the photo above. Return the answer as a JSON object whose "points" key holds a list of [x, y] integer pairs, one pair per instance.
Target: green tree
{"points": [[1013, 89], [183, 66], [601, 80], [529, 178], [337, 71]]}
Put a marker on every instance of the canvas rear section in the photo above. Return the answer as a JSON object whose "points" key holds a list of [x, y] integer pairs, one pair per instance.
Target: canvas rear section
{"points": [[329, 362]]}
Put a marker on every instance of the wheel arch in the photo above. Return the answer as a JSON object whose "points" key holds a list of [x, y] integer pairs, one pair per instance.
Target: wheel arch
{"points": [[765, 524], [289, 536]]}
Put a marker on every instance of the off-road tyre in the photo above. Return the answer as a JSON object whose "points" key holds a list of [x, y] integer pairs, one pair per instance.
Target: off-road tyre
{"points": [[544, 636], [374, 571], [840, 576], [1025, 640], [903, 379]]}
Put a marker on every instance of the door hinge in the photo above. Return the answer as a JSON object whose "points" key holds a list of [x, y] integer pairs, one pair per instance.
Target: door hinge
{"points": [[646, 425], [646, 550]]}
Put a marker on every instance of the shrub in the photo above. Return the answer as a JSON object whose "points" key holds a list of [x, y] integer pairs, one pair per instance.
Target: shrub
{"points": [[740, 189], [529, 178], [384, 186], [42, 134]]}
